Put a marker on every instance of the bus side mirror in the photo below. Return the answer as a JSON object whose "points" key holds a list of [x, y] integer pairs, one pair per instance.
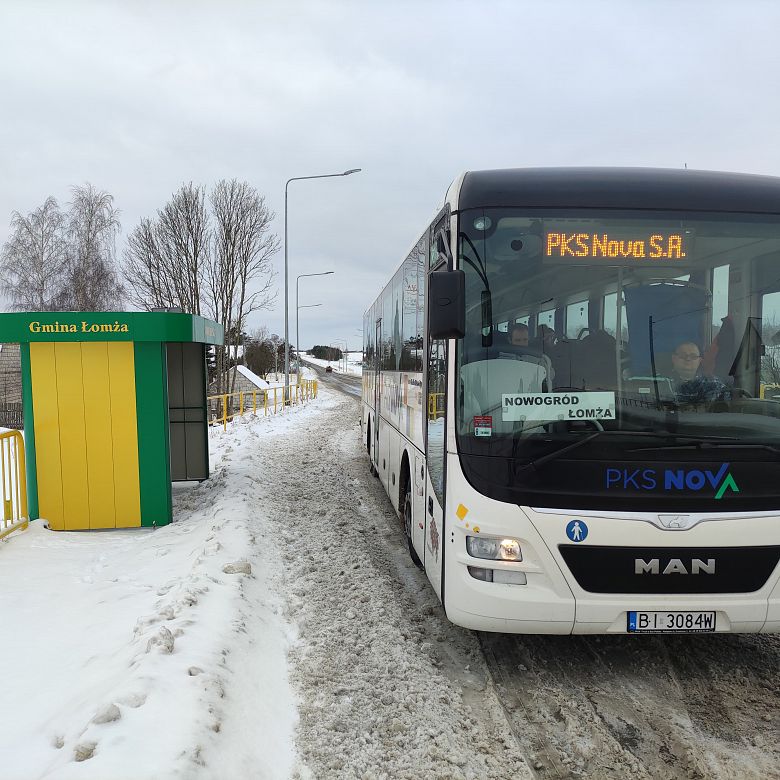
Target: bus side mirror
{"points": [[447, 305]]}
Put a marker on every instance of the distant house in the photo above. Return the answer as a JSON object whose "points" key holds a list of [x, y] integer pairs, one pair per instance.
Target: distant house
{"points": [[246, 381], [10, 386], [10, 374]]}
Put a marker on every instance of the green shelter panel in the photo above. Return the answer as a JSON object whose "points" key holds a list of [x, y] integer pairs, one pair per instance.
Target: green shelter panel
{"points": [[109, 326]]}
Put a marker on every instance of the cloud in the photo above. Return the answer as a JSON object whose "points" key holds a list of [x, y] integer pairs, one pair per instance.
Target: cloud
{"points": [[140, 97]]}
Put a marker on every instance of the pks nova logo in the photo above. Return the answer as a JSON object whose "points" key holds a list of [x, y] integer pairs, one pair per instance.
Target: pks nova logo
{"points": [[672, 479]]}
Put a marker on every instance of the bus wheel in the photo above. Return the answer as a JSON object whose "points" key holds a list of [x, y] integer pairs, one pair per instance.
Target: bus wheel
{"points": [[371, 469], [407, 513]]}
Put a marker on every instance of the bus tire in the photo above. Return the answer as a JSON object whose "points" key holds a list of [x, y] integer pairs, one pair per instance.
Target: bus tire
{"points": [[408, 518], [371, 469]]}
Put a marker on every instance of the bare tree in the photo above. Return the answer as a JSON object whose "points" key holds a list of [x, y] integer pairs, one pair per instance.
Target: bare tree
{"points": [[263, 352], [165, 259], [149, 284], [239, 276], [91, 281], [213, 260], [33, 258]]}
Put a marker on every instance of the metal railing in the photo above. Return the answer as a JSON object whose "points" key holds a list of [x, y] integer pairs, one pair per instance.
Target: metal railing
{"points": [[771, 391], [13, 483], [227, 406], [435, 405]]}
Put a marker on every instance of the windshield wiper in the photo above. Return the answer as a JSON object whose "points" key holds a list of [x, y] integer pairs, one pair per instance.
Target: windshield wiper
{"points": [[706, 444], [534, 464], [697, 441]]}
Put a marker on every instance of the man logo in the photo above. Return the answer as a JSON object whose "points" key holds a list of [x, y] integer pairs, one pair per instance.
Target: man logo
{"points": [[674, 566]]}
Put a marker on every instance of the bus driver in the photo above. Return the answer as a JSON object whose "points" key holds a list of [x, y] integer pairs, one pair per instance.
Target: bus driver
{"points": [[691, 386], [686, 360]]}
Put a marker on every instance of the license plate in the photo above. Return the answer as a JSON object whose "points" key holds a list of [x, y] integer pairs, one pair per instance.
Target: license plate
{"points": [[671, 622]]}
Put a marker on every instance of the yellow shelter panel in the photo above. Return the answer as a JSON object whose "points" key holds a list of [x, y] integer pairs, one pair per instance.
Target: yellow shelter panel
{"points": [[98, 430], [43, 370], [73, 441], [124, 429]]}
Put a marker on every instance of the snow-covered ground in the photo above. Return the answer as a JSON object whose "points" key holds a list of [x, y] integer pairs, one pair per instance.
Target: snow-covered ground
{"points": [[354, 363], [276, 379], [149, 654]]}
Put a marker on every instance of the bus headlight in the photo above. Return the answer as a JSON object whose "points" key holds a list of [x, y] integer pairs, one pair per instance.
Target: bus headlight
{"points": [[494, 549]]}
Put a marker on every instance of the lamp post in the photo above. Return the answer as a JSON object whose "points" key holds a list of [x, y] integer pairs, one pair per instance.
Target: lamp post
{"points": [[297, 343], [286, 274], [297, 338], [344, 342]]}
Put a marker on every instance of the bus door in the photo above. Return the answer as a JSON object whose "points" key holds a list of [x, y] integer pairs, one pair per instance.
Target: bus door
{"points": [[435, 450], [377, 392]]}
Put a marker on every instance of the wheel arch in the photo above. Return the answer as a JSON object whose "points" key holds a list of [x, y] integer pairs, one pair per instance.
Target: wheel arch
{"points": [[405, 476]]}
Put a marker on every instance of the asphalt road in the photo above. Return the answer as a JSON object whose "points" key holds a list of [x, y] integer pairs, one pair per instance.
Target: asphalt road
{"points": [[677, 708], [347, 383]]}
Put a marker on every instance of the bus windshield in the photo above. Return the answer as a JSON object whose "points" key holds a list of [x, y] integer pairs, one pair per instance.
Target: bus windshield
{"points": [[613, 355]]}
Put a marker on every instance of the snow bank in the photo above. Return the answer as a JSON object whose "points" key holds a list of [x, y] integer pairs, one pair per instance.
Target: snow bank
{"points": [[354, 363], [133, 654]]}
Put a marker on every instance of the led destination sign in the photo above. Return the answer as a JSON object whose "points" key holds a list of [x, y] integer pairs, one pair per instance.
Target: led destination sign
{"points": [[605, 245]]}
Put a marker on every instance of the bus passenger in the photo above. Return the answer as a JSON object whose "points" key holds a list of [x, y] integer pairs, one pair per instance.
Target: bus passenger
{"points": [[518, 335], [545, 338]]}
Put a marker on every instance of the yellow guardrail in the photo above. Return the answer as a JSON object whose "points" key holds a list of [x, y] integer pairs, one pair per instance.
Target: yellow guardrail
{"points": [[231, 405], [435, 405], [770, 390], [13, 483]]}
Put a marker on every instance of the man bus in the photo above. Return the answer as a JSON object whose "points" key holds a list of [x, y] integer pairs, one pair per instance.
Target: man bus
{"points": [[577, 483]]}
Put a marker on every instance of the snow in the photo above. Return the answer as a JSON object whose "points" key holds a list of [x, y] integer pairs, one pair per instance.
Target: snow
{"points": [[278, 381], [278, 628], [137, 654], [253, 377], [354, 363], [278, 377], [145, 624]]}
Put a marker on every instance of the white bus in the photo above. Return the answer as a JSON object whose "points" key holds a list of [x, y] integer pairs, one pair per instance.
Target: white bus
{"points": [[566, 397]]}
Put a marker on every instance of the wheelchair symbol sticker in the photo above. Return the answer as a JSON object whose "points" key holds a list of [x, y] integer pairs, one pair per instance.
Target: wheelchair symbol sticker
{"points": [[577, 531]]}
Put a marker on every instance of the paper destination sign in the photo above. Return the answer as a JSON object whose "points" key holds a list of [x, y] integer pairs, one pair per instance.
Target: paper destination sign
{"points": [[544, 407]]}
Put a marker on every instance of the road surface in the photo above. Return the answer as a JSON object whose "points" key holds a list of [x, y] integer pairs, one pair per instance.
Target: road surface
{"points": [[346, 383], [390, 689]]}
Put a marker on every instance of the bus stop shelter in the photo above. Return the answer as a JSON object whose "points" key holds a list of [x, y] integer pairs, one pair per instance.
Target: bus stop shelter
{"points": [[114, 411]]}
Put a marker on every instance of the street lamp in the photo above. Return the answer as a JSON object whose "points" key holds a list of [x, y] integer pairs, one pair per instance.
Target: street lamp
{"points": [[286, 296], [346, 348], [297, 345], [297, 338]]}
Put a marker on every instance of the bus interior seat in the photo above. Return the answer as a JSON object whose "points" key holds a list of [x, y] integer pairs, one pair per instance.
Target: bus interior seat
{"points": [[586, 363], [489, 380], [663, 364]]}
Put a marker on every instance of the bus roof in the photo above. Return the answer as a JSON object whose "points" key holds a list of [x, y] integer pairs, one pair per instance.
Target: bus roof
{"points": [[663, 189]]}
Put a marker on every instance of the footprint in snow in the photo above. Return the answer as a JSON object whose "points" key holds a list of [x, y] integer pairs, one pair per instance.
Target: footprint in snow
{"points": [[84, 751], [133, 700], [107, 714]]}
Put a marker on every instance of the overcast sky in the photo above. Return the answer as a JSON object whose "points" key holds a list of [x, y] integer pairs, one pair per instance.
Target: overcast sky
{"points": [[139, 97]]}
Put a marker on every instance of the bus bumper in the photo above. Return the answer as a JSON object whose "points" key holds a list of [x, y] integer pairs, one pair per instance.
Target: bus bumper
{"points": [[552, 600]]}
